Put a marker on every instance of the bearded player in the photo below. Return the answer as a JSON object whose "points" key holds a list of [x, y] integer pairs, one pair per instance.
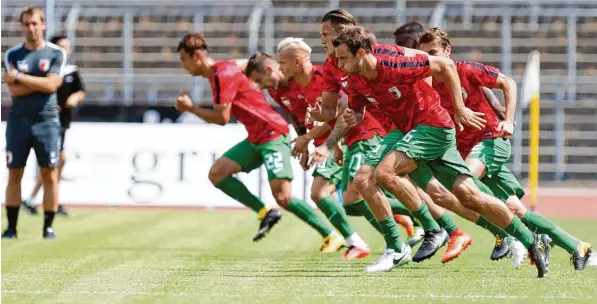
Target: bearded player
{"points": [[267, 142], [486, 151], [432, 217], [427, 152]]}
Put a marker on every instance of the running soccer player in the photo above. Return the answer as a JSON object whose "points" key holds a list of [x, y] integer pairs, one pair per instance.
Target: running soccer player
{"points": [[432, 217], [267, 143], [486, 151], [427, 152], [70, 94], [34, 71], [294, 83]]}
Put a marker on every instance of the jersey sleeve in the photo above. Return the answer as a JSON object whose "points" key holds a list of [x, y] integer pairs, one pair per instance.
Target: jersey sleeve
{"points": [[406, 69], [57, 66], [330, 81], [480, 74], [77, 82], [225, 86], [9, 60]]}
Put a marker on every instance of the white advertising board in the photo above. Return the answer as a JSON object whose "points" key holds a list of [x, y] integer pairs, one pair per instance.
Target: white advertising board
{"points": [[149, 164]]}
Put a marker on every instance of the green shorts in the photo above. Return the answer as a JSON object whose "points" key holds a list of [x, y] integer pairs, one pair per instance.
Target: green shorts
{"points": [[330, 170], [494, 153], [434, 151], [274, 154], [387, 143], [354, 157]]}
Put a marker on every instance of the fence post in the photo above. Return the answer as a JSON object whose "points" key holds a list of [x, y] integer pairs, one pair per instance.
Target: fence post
{"points": [[560, 135], [50, 18], [400, 9], [127, 64], [571, 53], [269, 42]]}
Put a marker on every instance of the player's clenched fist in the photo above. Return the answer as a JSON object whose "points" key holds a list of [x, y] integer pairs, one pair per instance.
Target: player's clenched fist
{"points": [[349, 118], [184, 103]]}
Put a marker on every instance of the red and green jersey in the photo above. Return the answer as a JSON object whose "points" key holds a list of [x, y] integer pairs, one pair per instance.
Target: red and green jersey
{"points": [[473, 76], [249, 106], [401, 92]]}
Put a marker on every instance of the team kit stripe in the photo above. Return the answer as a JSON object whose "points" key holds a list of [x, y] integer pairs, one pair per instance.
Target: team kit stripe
{"points": [[217, 82], [411, 64], [481, 67], [387, 52]]}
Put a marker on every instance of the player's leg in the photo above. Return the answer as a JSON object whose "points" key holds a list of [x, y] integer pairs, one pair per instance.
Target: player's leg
{"points": [[453, 173], [28, 203], [277, 159], [326, 180], [46, 143], [487, 160], [243, 157], [18, 145]]}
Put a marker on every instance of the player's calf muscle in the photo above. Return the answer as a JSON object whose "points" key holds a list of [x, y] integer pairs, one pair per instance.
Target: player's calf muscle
{"points": [[281, 190]]}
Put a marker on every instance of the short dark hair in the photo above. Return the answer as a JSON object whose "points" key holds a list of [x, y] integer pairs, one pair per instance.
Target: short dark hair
{"points": [[408, 34], [192, 42], [32, 10], [57, 38], [435, 35], [355, 38], [339, 18], [257, 63]]}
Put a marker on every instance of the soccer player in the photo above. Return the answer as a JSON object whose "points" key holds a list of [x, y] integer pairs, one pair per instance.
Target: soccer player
{"points": [[427, 152], [70, 94], [295, 84], [487, 150], [432, 217], [267, 143], [34, 71]]}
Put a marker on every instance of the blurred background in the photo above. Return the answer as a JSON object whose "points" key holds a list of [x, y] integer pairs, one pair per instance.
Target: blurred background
{"points": [[126, 54]]}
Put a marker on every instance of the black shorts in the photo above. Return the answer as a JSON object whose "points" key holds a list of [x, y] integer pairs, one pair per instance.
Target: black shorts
{"points": [[62, 136], [43, 137]]}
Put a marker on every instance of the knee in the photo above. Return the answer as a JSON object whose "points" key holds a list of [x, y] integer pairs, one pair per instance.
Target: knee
{"points": [[282, 198], [384, 178], [364, 180], [49, 175], [516, 206], [216, 174], [15, 176], [319, 194]]}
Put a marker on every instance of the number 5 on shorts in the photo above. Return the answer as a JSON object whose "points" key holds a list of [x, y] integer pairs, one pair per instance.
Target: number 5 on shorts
{"points": [[273, 162], [408, 136]]}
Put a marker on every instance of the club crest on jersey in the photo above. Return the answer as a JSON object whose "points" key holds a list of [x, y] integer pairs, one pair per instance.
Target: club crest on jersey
{"points": [[372, 100], [300, 96], [464, 94], [68, 79], [345, 84], [395, 92], [44, 65], [23, 65], [286, 102]]}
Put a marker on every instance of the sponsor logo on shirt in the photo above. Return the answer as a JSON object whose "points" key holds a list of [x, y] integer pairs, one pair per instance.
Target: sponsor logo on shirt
{"points": [[44, 65], [23, 65]]}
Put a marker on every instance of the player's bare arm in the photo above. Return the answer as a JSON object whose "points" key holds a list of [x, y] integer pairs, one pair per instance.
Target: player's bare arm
{"points": [[411, 53], [48, 85], [75, 99], [17, 90], [445, 70], [328, 109], [508, 86], [495, 103], [220, 115]]}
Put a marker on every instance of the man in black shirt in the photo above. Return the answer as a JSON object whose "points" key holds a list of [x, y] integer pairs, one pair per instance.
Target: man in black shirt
{"points": [[70, 94]]}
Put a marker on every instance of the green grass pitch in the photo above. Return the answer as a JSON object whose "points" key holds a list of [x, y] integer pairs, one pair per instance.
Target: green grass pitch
{"points": [[145, 256]]}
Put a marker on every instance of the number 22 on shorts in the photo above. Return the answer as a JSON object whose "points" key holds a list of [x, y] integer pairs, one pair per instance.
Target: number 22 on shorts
{"points": [[273, 162]]}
